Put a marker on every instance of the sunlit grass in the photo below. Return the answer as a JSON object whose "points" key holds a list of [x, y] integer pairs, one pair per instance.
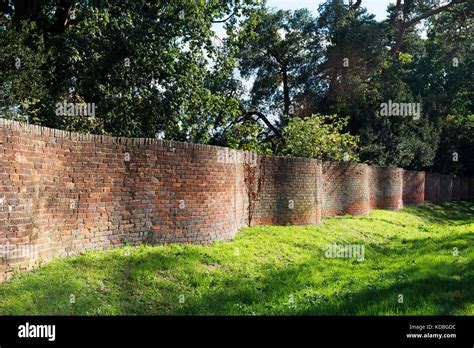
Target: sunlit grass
{"points": [[425, 254]]}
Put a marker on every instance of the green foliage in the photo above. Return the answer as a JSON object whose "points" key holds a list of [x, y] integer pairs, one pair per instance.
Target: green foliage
{"points": [[405, 58], [281, 53], [409, 252], [320, 137], [245, 136], [455, 151], [157, 68], [361, 76], [449, 97], [23, 71], [149, 67]]}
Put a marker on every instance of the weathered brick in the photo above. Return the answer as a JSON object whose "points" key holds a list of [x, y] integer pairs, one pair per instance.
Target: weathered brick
{"points": [[62, 193]]}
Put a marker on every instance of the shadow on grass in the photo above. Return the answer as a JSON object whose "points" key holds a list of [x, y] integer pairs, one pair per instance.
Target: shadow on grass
{"points": [[441, 289], [434, 244], [150, 282], [437, 287], [455, 212]]}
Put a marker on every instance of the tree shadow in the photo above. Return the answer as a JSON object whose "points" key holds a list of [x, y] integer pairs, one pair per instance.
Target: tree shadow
{"points": [[148, 282], [437, 288], [455, 212]]}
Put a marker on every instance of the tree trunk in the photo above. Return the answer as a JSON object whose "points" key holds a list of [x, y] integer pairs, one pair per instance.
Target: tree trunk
{"points": [[286, 93]]}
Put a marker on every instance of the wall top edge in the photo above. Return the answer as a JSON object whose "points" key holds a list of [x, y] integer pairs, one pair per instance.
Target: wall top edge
{"points": [[106, 139], [86, 137]]}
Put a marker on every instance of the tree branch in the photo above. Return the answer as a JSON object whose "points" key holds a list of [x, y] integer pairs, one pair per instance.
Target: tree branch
{"points": [[433, 12], [402, 26], [249, 114], [275, 55], [400, 29], [224, 20], [32, 10], [356, 5], [63, 12]]}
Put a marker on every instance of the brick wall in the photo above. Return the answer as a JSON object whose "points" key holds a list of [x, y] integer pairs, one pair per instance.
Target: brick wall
{"points": [[456, 188], [413, 187], [345, 188], [385, 184], [445, 187], [292, 192], [62, 193], [464, 188], [471, 187], [432, 187]]}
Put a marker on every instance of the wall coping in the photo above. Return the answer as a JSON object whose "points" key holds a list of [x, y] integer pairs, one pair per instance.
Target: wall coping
{"points": [[107, 139]]}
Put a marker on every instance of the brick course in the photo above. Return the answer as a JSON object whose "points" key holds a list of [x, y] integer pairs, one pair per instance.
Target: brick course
{"points": [[291, 193], [385, 187], [445, 187], [413, 187], [346, 188], [62, 193], [432, 187]]}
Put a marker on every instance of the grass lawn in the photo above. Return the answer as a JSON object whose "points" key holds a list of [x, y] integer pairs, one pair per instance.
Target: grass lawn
{"points": [[269, 270]]}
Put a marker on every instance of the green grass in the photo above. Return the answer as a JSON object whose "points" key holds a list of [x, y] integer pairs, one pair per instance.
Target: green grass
{"points": [[410, 252]]}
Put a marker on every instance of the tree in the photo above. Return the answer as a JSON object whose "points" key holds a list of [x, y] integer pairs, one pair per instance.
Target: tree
{"points": [[281, 55], [23, 81], [407, 14], [354, 54], [320, 137], [156, 68], [448, 96], [149, 67]]}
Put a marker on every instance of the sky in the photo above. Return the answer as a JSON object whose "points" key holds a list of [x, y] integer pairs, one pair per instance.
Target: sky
{"points": [[376, 7]]}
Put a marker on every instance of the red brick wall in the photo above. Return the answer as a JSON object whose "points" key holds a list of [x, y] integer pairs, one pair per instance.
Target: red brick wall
{"points": [[471, 187], [345, 188], [432, 187], [413, 187], [442, 187], [62, 193], [456, 188], [385, 187], [292, 192]]}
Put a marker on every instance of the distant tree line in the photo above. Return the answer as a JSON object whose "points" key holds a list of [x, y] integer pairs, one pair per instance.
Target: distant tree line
{"points": [[317, 83]]}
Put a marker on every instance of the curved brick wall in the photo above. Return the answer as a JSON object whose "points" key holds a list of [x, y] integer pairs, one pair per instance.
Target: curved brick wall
{"points": [[456, 188], [385, 187], [194, 197], [413, 187], [62, 193], [345, 188], [442, 187], [292, 192]]}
